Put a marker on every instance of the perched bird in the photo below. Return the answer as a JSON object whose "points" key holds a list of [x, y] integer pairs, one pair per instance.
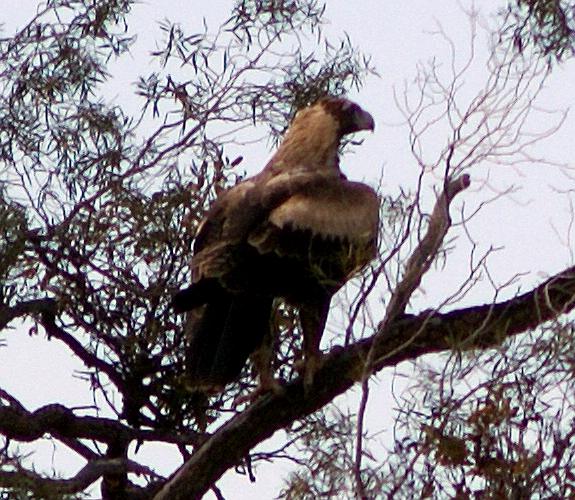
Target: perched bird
{"points": [[298, 230]]}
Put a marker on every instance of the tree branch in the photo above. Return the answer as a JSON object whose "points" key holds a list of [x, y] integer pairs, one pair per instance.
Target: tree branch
{"points": [[34, 306], [415, 268], [61, 422], [407, 338], [46, 310], [48, 321], [422, 258], [48, 487]]}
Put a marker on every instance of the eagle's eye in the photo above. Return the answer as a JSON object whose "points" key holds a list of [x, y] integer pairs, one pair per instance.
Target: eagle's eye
{"points": [[348, 106]]}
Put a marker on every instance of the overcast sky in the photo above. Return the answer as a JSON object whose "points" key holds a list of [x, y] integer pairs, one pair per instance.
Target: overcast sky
{"points": [[529, 227]]}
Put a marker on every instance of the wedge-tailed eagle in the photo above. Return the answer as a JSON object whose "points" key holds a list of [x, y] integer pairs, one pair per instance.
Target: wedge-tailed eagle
{"points": [[298, 230]]}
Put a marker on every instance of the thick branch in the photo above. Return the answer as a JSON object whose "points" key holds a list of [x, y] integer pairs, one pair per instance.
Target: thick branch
{"points": [[84, 478], [44, 487], [34, 306], [401, 340], [61, 422]]}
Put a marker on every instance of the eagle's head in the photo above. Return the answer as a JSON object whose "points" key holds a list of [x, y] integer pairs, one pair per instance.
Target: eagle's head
{"points": [[349, 116], [313, 138], [332, 118]]}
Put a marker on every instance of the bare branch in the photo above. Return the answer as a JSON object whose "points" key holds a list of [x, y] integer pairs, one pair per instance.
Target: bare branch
{"points": [[421, 259], [90, 473], [25, 308], [61, 422]]}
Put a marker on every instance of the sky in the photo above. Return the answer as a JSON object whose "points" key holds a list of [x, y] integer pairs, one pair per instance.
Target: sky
{"points": [[530, 227]]}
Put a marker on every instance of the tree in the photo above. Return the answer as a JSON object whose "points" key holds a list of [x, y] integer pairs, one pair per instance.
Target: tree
{"points": [[98, 210]]}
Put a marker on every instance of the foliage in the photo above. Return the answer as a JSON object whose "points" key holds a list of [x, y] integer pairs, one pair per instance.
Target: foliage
{"points": [[548, 25], [508, 434]]}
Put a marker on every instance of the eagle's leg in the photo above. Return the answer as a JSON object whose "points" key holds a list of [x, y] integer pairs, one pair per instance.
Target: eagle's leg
{"points": [[312, 316], [262, 359]]}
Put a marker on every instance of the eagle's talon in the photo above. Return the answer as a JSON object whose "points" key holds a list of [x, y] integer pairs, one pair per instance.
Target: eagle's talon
{"points": [[272, 386], [310, 368]]}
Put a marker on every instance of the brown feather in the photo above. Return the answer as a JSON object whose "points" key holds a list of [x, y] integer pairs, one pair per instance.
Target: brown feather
{"points": [[346, 210]]}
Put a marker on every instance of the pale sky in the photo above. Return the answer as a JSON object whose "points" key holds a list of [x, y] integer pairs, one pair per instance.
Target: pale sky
{"points": [[529, 227]]}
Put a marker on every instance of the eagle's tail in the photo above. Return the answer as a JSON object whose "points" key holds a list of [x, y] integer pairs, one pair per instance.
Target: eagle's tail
{"points": [[222, 334]]}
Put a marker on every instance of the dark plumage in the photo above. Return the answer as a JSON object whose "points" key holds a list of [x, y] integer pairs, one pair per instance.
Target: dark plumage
{"points": [[298, 230]]}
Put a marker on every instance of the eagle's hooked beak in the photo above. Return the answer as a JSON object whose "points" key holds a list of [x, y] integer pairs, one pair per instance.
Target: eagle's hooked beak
{"points": [[363, 120]]}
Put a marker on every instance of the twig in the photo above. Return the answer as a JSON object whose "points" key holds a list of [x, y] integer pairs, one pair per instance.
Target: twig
{"points": [[416, 267]]}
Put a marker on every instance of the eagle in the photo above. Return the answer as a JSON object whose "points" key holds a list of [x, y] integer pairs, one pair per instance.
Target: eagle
{"points": [[297, 231]]}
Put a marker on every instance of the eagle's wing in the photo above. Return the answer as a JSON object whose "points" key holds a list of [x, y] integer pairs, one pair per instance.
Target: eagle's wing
{"points": [[339, 209], [241, 212], [344, 212]]}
